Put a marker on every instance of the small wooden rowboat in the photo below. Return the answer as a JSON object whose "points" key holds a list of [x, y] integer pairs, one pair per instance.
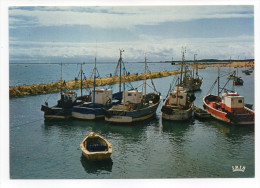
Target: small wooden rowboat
{"points": [[95, 147], [200, 113]]}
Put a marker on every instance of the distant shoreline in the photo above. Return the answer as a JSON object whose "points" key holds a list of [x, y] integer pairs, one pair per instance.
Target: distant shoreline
{"points": [[202, 61]]}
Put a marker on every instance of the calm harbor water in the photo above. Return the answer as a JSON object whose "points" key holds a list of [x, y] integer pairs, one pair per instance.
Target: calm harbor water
{"points": [[149, 149]]}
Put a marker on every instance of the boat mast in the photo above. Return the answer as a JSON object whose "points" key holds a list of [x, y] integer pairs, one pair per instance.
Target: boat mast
{"points": [[94, 83], [145, 75], [218, 81], [177, 91], [120, 65], [81, 79], [182, 64], [61, 71], [61, 76], [195, 66]]}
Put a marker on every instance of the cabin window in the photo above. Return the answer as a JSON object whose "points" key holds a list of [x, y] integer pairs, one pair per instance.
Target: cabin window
{"points": [[129, 94], [181, 97], [240, 101]]}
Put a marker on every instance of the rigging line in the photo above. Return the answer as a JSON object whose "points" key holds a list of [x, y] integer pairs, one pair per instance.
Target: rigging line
{"points": [[213, 85], [139, 85], [48, 98], [225, 85], [150, 86], [225, 75]]}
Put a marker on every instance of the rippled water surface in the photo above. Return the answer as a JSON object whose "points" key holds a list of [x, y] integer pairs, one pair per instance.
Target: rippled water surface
{"points": [[149, 149]]}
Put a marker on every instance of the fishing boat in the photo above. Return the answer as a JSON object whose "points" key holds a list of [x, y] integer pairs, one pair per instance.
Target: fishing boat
{"points": [[200, 113], [134, 106], [178, 104], [95, 147], [62, 110], [190, 81], [230, 108], [237, 81], [100, 98]]}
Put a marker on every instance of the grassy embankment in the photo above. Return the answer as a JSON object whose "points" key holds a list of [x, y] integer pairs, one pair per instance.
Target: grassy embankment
{"points": [[22, 90]]}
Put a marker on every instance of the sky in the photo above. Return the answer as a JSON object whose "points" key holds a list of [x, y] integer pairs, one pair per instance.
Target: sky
{"points": [[79, 34]]}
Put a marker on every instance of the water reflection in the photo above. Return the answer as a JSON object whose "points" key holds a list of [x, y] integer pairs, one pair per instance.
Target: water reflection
{"points": [[96, 167], [178, 128], [234, 132]]}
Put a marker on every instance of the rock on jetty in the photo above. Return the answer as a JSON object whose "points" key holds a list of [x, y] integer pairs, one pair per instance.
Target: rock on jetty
{"points": [[223, 64], [22, 90]]}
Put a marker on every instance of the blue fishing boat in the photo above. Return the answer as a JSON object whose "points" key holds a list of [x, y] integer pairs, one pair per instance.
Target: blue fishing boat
{"points": [[134, 106], [100, 98]]}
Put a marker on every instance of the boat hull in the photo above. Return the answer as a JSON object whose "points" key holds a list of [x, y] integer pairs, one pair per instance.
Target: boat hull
{"points": [[223, 116], [86, 116], [56, 113], [87, 113], [178, 115], [97, 156], [128, 119]]}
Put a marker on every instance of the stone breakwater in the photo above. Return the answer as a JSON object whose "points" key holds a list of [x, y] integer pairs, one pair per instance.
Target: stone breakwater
{"points": [[22, 90], [224, 64]]}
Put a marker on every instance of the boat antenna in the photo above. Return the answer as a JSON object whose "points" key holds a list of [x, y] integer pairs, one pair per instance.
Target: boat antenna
{"points": [[94, 83]]}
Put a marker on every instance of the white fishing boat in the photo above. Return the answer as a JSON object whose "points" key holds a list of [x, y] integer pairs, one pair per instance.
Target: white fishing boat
{"points": [[134, 106], [178, 104]]}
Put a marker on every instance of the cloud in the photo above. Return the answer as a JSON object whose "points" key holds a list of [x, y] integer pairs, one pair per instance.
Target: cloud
{"points": [[157, 49], [121, 17]]}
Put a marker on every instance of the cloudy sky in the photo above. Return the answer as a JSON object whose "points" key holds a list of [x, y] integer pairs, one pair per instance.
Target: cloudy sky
{"points": [[78, 34]]}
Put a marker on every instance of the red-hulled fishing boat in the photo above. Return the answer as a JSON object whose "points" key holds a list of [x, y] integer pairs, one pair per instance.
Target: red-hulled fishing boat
{"points": [[230, 108]]}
